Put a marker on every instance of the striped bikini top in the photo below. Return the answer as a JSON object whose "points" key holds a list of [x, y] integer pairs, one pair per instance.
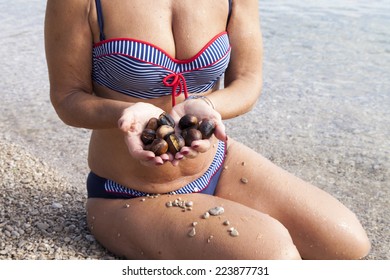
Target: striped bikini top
{"points": [[142, 70]]}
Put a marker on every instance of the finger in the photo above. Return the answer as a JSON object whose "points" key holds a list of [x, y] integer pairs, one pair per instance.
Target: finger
{"points": [[156, 161], [175, 162], [220, 132], [189, 152], [201, 146], [166, 157]]}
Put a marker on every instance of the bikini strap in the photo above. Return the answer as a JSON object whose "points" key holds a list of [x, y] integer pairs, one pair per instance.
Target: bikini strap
{"points": [[230, 11], [100, 19]]}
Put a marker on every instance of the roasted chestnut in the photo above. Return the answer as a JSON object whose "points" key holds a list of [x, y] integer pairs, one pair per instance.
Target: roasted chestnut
{"points": [[166, 119], [159, 146], [159, 135], [188, 121], [164, 130], [147, 136], [152, 124], [191, 135], [207, 128], [175, 143]]}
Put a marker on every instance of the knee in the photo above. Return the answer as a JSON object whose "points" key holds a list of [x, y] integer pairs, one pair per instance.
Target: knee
{"points": [[350, 241], [357, 245], [273, 242]]}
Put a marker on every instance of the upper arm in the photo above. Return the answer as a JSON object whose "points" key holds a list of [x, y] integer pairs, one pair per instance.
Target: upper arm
{"points": [[68, 46], [246, 41]]}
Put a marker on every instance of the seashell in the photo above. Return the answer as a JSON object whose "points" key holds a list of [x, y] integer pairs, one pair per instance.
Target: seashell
{"points": [[216, 211], [206, 215], [192, 232], [234, 232], [189, 204], [226, 223], [244, 180], [168, 204]]}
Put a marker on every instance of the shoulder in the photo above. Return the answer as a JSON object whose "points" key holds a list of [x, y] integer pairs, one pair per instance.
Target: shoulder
{"points": [[69, 7]]}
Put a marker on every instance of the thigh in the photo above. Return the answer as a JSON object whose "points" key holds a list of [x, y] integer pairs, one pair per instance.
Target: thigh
{"points": [[145, 228], [321, 227]]}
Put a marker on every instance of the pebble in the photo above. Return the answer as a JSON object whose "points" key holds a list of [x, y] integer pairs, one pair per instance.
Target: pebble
{"points": [[216, 211], [244, 180], [42, 226], [233, 232], [192, 232], [56, 205]]}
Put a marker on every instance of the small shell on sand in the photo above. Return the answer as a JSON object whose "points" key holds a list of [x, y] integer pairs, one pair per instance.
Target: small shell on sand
{"points": [[226, 223], [244, 180], [210, 238], [206, 215], [233, 232], [216, 211], [168, 204], [189, 204], [192, 232]]}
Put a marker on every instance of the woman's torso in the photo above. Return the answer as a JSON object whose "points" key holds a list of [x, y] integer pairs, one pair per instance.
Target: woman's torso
{"points": [[182, 30]]}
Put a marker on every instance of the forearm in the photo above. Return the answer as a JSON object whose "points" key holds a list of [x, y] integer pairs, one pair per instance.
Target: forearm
{"points": [[80, 109], [238, 97]]}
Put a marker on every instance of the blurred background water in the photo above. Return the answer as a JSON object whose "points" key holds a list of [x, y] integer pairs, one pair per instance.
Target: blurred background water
{"points": [[324, 112]]}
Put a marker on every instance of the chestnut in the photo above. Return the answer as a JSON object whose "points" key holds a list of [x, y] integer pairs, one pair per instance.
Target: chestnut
{"points": [[207, 128], [188, 121], [147, 136], [164, 130], [191, 135], [152, 124], [175, 143], [166, 119], [159, 146]]}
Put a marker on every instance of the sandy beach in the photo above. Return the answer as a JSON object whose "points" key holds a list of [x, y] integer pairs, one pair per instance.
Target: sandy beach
{"points": [[323, 115]]}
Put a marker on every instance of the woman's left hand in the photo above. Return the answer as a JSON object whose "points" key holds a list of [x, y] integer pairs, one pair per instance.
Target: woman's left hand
{"points": [[201, 110]]}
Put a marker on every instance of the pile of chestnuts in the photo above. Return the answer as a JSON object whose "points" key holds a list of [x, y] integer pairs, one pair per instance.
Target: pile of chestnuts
{"points": [[160, 136]]}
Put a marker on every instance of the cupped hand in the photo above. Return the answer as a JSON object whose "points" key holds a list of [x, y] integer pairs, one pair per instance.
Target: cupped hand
{"points": [[132, 123], [201, 110]]}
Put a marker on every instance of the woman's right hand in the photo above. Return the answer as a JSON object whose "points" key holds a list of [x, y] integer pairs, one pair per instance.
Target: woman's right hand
{"points": [[132, 123]]}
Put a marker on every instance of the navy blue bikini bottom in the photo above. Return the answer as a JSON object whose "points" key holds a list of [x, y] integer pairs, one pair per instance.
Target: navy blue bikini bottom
{"points": [[106, 188]]}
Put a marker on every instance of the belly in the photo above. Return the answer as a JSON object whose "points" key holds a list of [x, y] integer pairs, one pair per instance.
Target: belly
{"points": [[109, 158]]}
